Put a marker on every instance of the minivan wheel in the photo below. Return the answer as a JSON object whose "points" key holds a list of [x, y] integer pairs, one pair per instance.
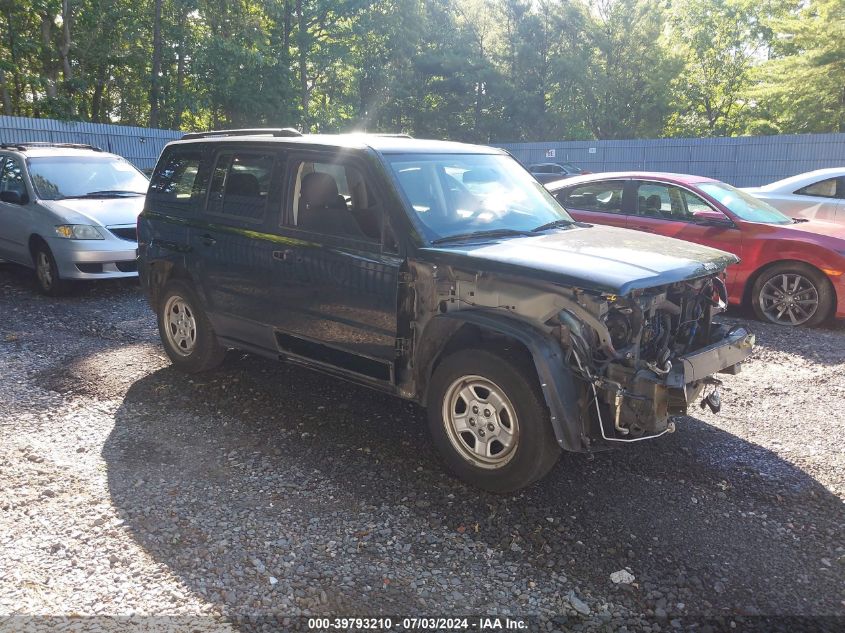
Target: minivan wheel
{"points": [[792, 294], [185, 330], [47, 272], [489, 422]]}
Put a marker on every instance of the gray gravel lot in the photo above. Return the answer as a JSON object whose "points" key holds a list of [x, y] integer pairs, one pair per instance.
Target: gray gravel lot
{"points": [[127, 488]]}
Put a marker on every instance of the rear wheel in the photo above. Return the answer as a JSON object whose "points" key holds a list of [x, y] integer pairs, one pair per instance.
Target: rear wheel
{"points": [[47, 272], [489, 422], [185, 330], [792, 294]]}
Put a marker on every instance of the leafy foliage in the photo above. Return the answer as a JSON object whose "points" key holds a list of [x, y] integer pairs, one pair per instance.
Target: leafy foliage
{"points": [[473, 70]]}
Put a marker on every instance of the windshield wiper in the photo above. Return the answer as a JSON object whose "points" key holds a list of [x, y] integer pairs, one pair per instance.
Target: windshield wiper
{"points": [[799, 220], [479, 234], [109, 193], [553, 225]]}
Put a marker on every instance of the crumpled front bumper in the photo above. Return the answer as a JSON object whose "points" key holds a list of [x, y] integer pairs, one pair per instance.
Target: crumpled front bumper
{"points": [[648, 400], [722, 356]]}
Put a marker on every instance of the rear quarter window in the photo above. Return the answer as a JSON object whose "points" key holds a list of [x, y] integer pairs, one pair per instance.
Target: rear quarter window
{"points": [[176, 182], [823, 189]]}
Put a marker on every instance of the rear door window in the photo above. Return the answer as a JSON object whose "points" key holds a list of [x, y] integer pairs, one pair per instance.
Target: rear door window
{"points": [[604, 197], [240, 185]]}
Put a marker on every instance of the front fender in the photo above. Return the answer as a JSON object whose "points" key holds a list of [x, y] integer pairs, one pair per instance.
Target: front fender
{"points": [[557, 381]]}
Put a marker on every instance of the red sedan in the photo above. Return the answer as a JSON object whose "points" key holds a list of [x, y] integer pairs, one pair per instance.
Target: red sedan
{"points": [[791, 271]]}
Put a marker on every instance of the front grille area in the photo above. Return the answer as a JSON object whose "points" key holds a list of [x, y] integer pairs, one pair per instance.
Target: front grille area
{"points": [[127, 233], [90, 268], [127, 267]]}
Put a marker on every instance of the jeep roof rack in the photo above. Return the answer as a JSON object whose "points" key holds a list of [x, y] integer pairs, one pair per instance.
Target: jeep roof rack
{"points": [[389, 134], [23, 146], [268, 131]]}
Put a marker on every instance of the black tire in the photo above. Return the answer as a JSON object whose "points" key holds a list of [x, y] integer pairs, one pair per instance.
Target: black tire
{"points": [[201, 350], [818, 288], [535, 451], [47, 275]]}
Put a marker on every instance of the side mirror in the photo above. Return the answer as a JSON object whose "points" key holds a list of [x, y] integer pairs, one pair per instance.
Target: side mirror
{"points": [[711, 218], [14, 197]]}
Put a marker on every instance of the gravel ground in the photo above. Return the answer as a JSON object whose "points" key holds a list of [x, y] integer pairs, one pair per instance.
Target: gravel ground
{"points": [[129, 489]]}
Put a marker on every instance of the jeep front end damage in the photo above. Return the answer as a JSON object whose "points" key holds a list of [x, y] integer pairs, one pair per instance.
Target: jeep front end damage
{"points": [[646, 357]]}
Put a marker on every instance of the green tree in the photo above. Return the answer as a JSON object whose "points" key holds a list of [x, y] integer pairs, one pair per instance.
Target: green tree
{"points": [[719, 41], [801, 88], [623, 88]]}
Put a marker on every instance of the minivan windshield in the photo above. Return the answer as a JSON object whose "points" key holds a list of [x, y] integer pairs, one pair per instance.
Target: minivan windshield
{"points": [[58, 177], [461, 196], [744, 205]]}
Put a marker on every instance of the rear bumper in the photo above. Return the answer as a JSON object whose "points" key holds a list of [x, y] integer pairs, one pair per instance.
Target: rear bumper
{"points": [[95, 259]]}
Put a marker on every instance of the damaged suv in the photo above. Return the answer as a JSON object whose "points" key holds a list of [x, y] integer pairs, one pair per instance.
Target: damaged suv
{"points": [[443, 273]]}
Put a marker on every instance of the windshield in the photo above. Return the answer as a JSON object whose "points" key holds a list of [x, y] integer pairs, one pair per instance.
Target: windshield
{"points": [[57, 177], [744, 205], [461, 194]]}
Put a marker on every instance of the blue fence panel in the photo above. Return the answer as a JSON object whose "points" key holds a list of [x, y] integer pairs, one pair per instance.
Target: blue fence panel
{"points": [[745, 161], [139, 145]]}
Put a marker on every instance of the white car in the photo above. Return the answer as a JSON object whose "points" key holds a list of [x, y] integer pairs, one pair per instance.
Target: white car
{"points": [[69, 211], [816, 195]]}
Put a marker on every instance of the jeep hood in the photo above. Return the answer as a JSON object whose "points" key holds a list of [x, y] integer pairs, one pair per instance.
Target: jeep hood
{"points": [[599, 258], [102, 211]]}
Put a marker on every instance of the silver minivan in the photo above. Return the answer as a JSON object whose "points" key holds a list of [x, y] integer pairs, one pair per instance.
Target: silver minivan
{"points": [[69, 211]]}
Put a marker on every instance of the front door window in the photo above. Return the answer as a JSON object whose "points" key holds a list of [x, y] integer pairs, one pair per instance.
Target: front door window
{"points": [[11, 177]]}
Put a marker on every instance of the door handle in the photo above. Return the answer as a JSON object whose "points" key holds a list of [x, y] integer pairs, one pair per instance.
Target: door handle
{"points": [[288, 255], [208, 240]]}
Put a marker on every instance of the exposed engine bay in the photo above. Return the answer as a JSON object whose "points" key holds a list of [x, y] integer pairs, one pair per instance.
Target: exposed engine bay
{"points": [[638, 360], [633, 354]]}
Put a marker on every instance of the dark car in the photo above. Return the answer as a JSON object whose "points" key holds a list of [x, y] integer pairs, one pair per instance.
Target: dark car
{"points": [[439, 272], [549, 172], [791, 272]]}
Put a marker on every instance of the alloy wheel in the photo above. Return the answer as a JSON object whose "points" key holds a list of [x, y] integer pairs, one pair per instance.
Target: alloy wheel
{"points": [[44, 270], [180, 325], [481, 422], [789, 299]]}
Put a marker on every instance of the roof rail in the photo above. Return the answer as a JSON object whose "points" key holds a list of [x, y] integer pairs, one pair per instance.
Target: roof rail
{"points": [[385, 134], [268, 131], [24, 145]]}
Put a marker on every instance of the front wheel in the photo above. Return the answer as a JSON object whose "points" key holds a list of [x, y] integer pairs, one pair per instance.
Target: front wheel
{"points": [[47, 272], [792, 294], [185, 330], [489, 422]]}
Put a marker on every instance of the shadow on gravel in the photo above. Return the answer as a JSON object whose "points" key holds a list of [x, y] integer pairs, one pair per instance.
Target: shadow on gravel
{"points": [[21, 280], [263, 469]]}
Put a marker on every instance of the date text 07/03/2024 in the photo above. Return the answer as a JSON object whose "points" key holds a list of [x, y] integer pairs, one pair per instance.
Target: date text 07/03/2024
{"points": [[419, 624]]}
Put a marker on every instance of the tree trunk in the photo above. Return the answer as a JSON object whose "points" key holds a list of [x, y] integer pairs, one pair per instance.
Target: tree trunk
{"points": [[176, 118], [286, 37], [4, 91], [301, 41], [48, 68], [155, 84], [17, 86], [97, 99], [64, 49]]}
